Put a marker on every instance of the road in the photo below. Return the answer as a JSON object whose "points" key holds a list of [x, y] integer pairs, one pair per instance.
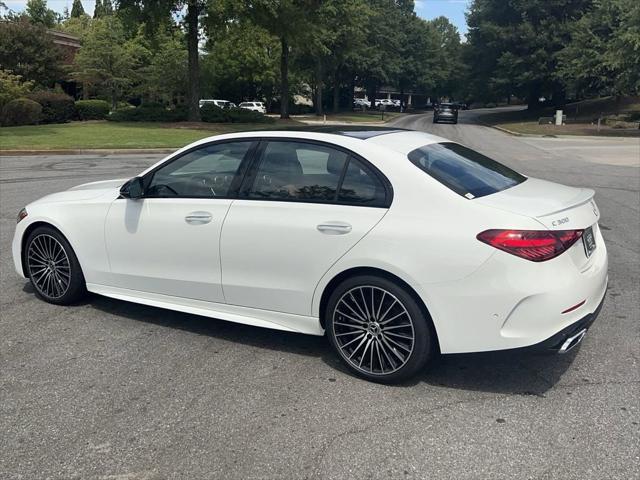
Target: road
{"points": [[113, 390]]}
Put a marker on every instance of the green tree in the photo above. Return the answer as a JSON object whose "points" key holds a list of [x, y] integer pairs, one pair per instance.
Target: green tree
{"points": [[104, 60], [336, 37], [38, 12], [77, 26], [290, 21], [156, 13], [241, 63], [27, 50], [603, 56], [515, 45], [77, 10], [97, 9]]}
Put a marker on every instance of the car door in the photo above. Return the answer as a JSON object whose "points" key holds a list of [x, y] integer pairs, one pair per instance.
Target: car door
{"points": [[303, 206], [168, 241]]}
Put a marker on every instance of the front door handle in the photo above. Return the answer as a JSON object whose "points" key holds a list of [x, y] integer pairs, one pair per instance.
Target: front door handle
{"points": [[198, 218], [334, 228]]}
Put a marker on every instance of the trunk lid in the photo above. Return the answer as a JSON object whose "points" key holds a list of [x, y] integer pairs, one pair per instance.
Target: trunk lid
{"points": [[557, 207]]}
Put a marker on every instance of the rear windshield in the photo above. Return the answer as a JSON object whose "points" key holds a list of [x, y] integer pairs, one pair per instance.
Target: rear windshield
{"points": [[466, 172]]}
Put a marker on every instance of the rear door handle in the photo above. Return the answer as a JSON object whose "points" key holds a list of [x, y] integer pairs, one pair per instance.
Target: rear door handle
{"points": [[198, 218], [334, 228]]}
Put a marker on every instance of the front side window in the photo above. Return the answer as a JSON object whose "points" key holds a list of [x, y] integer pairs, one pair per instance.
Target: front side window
{"points": [[465, 171], [298, 171], [206, 172]]}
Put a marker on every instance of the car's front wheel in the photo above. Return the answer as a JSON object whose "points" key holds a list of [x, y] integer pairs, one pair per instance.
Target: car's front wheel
{"points": [[378, 329], [53, 267]]}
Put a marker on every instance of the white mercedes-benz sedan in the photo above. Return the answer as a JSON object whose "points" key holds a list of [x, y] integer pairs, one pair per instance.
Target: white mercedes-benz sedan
{"points": [[397, 244]]}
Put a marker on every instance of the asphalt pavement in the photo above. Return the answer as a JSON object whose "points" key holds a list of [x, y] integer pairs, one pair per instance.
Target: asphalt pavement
{"points": [[118, 391]]}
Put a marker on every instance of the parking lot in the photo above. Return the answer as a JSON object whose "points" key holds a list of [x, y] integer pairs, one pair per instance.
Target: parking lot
{"points": [[113, 390]]}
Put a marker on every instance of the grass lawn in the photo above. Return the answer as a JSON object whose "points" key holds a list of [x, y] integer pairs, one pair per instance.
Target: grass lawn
{"points": [[581, 118], [370, 116], [112, 135]]}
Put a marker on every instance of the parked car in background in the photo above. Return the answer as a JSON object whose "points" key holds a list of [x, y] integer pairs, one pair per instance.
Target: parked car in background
{"points": [[361, 102], [445, 112], [386, 102], [254, 106], [218, 103], [396, 102]]}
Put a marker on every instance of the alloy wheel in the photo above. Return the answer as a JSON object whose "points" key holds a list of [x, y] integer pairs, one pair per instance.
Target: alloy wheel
{"points": [[49, 266], [373, 330]]}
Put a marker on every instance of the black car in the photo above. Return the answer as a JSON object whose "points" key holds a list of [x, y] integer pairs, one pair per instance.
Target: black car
{"points": [[445, 112]]}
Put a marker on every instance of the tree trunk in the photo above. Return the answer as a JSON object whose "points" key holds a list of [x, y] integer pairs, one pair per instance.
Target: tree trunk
{"points": [[194, 70], [533, 96], [319, 89], [114, 99], [284, 78], [336, 93]]}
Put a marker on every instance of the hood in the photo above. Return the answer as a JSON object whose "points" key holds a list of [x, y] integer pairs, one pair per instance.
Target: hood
{"points": [[101, 185], [83, 192]]}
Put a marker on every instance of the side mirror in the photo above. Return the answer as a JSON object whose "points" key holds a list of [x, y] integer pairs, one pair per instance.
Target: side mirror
{"points": [[133, 189]]}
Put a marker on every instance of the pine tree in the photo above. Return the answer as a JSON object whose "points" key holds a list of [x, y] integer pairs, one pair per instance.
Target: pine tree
{"points": [[97, 11], [77, 10]]}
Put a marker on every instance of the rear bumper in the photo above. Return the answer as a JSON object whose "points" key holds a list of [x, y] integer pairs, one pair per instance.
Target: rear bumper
{"points": [[568, 337], [510, 303]]}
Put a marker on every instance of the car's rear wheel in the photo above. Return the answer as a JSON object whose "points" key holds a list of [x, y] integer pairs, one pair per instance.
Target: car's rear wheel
{"points": [[53, 267], [378, 330]]}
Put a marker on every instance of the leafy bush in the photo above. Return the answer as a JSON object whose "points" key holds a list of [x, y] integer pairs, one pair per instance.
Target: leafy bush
{"points": [[56, 107], [212, 114], [92, 109], [149, 113], [12, 87], [21, 111], [239, 115]]}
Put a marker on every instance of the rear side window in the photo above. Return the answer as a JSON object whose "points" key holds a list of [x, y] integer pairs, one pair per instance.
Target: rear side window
{"points": [[465, 171], [307, 172], [361, 186]]}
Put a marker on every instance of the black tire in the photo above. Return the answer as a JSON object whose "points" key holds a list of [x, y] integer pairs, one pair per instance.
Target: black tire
{"points": [[53, 268], [392, 356]]}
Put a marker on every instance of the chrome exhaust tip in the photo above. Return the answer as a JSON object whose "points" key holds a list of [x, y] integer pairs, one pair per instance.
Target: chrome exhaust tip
{"points": [[572, 341]]}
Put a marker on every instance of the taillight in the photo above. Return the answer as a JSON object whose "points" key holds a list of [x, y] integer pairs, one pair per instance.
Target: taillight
{"points": [[534, 245]]}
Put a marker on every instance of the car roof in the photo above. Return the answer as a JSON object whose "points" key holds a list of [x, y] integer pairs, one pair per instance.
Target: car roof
{"points": [[386, 136]]}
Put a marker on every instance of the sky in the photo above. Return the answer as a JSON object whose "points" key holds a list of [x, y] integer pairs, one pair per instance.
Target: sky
{"points": [[428, 9]]}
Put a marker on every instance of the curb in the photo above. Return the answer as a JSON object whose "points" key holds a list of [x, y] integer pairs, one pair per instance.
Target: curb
{"points": [[88, 151]]}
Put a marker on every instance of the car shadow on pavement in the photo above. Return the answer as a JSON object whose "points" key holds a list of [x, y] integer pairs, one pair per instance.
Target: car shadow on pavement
{"points": [[509, 372]]}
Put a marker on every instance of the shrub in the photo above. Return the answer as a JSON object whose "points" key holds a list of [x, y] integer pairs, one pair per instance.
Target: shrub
{"points": [[92, 109], [212, 114], [56, 107], [239, 115], [149, 113], [21, 111], [12, 87]]}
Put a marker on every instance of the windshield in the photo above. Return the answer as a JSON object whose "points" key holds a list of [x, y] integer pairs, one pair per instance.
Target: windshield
{"points": [[465, 171]]}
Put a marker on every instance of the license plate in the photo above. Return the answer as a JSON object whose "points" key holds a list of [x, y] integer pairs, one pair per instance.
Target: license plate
{"points": [[589, 241]]}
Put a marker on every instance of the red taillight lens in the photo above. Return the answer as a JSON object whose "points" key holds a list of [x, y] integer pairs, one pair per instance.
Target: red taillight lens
{"points": [[534, 245]]}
